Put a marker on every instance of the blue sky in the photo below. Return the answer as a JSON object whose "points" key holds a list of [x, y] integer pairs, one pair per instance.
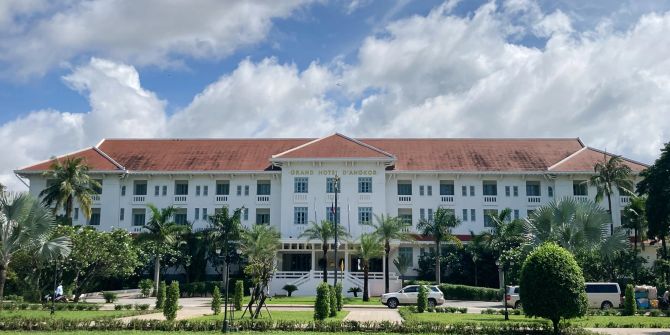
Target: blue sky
{"points": [[75, 72]]}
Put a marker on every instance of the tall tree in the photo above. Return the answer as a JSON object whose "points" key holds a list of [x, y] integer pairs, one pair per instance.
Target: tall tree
{"points": [[656, 185], [636, 220], [323, 232], [27, 225], [611, 173], [161, 234], [402, 264], [259, 245], [370, 247], [68, 181], [389, 228], [438, 228], [504, 233]]}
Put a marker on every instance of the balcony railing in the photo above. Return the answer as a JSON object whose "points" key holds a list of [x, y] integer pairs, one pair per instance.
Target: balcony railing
{"points": [[490, 199], [364, 197], [263, 200], [447, 199], [624, 200], [300, 197], [95, 198], [534, 199], [139, 199], [404, 199], [180, 199], [221, 199], [582, 198]]}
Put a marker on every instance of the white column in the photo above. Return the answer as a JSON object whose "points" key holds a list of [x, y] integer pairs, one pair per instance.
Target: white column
{"points": [[313, 258]]}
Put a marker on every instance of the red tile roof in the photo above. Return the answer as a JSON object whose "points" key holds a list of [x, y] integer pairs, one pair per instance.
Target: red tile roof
{"points": [[334, 146], [92, 156], [467, 155]]}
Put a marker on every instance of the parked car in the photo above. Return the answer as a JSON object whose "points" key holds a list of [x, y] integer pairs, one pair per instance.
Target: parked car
{"points": [[512, 297], [603, 295], [408, 295]]}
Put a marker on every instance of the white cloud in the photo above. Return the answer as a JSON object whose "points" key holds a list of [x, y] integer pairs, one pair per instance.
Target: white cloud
{"points": [[152, 32]]}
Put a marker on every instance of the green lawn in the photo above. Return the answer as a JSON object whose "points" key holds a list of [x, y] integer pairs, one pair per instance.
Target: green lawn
{"points": [[278, 315], [92, 315], [587, 322], [309, 300], [128, 332]]}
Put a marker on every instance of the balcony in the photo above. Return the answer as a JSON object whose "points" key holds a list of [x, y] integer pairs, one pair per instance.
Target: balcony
{"points": [[581, 198], [404, 199], [95, 198], [534, 199], [263, 200], [447, 199], [364, 198], [490, 199], [139, 199], [180, 199], [300, 198], [624, 200], [221, 199]]}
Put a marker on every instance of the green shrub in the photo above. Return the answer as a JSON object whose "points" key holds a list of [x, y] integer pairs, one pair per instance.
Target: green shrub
{"points": [[289, 288], [141, 307], [338, 295], [422, 299], [216, 300], [322, 302], [629, 304], [464, 292], [109, 297], [355, 291], [118, 307], [160, 296], [332, 311], [552, 285], [239, 294], [146, 286], [128, 307], [171, 301]]}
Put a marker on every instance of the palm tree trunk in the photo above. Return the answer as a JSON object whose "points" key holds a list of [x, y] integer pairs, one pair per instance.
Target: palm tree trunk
{"points": [[325, 263], [3, 278], [68, 210], [387, 250], [157, 270], [366, 295], [635, 253], [609, 204], [437, 263]]}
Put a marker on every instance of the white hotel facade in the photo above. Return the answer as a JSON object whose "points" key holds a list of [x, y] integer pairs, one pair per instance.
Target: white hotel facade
{"points": [[287, 183]]}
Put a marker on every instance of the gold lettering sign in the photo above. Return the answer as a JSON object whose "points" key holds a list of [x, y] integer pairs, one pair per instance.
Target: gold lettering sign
{"points": [[334, 172]]}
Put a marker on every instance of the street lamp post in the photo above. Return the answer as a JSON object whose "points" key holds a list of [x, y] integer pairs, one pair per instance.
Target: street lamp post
{"points": [[474, 261], [53, 293], [336, 181], [502, 270], [226, 275]]}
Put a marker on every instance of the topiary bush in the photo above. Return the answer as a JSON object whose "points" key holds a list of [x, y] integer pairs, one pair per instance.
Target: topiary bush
{"points": [[629, 304], [332, 311], [338, 295], [238, 295], [289, 288], [109, 297], [160, 295], [216, 300], [146, 286], [322, 302], [552, 285], [171, 301], [422, 299]]}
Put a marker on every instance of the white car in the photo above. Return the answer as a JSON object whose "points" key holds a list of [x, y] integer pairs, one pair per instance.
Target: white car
{"points": [[512, 297], [408, 295]]}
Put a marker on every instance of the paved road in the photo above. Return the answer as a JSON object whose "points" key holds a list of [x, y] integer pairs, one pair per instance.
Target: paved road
{"points": [[631, 331], [373, 314]]}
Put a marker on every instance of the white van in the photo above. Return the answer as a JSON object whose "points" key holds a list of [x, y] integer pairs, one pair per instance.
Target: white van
{"points": [[603, 295]]}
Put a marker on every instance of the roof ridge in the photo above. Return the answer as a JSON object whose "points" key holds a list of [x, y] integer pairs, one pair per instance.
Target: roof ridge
{"points": [[620, 156], [355, 141], [103, 154], [567, 158]]}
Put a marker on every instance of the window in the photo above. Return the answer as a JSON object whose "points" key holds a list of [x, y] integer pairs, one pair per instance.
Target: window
{"points": [[122, 214], [330, 185], [239, 190], [624, 218], [300, 215], [472, 191], [364, 184], [580, 188], [601, 288], [516, 214], [364, 215], [97, 189], [263, 216], [157, 190], [300, 185], [550, 191], [330, 214], [488, 221], [430, 213], [465, 215], [164, 190], [197, 190], [181, 187], [507, 191], [464, 190], [76, 214], [263, 187], [204, 214], [490, 187], [421, 193], [405, 215], [422, 214], [180, 216], [407, 252], [411, 289], [205, 190], [404, 187], [515, 190], [246, 214], [123, 190], [197, 213], [140, 187], [532, 188], [139, 217], [246, 190], [446, 187], [530, 212], [222, 187], [429, 190], [473, 215]]}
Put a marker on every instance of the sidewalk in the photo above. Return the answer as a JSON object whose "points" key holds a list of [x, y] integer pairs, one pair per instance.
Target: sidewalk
{"points": [[631, 331]]}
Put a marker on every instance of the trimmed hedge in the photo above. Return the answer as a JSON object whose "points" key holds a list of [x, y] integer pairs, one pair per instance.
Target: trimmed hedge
{"points": [[464, 292]]}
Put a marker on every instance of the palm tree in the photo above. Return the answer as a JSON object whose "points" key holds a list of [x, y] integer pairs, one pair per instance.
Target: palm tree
{"points": [[224, 227], [162, 234], [636, 219], [610, 174], [504, 234], [27, 225], [438, 228], [69, 181], [370, 247], [259, 245], [575, 225], [324, 232], [389, 228], [402, 263]]}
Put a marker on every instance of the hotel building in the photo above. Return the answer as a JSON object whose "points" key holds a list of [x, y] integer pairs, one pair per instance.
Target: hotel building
{"points": [[288, 183]]}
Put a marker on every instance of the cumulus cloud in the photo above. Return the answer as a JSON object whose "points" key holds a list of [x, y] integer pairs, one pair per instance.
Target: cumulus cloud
{"points": [[151, 32]]}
